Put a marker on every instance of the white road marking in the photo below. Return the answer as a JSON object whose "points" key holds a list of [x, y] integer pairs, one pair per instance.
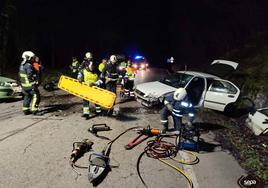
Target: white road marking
{"points": [[189, 169]]}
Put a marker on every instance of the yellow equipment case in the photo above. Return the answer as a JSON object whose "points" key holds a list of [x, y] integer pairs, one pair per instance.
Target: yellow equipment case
{"points": [[93, 94]]}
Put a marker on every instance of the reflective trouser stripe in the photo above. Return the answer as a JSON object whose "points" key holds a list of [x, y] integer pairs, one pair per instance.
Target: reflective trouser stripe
{"points": [[25, 108], [174, 110], [164, 121], [178, 115], [85, 110], [98, 109], [33, 106]]}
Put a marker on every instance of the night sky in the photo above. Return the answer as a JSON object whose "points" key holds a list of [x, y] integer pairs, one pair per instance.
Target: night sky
{"points": [[193, 31]]}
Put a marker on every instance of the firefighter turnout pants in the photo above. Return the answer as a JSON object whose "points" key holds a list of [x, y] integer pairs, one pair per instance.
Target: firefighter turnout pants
{"points": [[164, 114], [31, 100]]}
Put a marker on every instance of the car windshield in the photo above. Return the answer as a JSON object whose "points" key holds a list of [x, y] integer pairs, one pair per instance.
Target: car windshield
{"points": [[177, 80]]}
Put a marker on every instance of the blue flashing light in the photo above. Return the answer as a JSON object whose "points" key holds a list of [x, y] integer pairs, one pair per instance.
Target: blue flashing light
{"points": [[138, 57]]}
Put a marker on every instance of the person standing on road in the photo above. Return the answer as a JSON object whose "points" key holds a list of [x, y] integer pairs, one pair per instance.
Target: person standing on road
{"points": [[38, 68], [29, 83], [74, 67], [129, 78], [110, 77], [176, 105], [89, 76], [101, 66], [170, 62]]}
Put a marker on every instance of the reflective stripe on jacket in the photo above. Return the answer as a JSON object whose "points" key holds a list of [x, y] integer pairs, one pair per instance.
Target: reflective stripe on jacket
{"points": [[27, 78], [130, 73]]}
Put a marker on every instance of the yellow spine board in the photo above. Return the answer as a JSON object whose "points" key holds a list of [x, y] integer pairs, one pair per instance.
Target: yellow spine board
{"points": [[93, 94]]}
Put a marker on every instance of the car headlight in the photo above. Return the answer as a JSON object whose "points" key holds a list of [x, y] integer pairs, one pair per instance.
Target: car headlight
{"points": [[142, 66], [135, 66], [2, 84]]}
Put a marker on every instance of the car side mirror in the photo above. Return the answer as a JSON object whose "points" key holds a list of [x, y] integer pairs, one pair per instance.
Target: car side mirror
{"points": [[253, 111], [265, 122]]}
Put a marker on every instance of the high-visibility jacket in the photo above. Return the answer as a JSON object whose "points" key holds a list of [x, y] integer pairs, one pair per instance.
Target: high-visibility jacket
{"points": [[130, 74], [101, 67], [27, 76], [87, 77], [75, 66]]}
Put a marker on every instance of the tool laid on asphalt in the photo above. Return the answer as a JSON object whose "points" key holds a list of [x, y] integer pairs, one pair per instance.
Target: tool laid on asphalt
{"points": [[163, 150], [144, 133], [93, 94], [99, 162], [98, 128], [80, 148]]}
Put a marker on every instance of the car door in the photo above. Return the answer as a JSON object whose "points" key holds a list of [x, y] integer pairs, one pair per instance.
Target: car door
{"points": [[258, 121], [221, 93], [196, 90]]}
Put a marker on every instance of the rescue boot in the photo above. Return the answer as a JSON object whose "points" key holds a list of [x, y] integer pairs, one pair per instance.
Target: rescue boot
{"points": [[37, 113], [26, 112], [165, 128]]}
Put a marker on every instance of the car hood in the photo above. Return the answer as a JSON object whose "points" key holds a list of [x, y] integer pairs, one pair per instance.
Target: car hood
{"points": [[155, 89], [5, 79]]}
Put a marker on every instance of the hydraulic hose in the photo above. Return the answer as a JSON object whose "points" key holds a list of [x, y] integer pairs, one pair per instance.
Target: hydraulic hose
{"points": [[163, 150]]}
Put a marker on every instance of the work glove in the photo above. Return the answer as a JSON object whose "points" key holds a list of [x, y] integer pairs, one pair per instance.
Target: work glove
{"points": [[169, 107]]}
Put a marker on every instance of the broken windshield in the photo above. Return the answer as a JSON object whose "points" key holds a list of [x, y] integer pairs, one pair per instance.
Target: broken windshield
{"points": [[177, 80]]}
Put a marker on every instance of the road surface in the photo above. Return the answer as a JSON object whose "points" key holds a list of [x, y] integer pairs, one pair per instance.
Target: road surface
{"points": [[35, 150]]}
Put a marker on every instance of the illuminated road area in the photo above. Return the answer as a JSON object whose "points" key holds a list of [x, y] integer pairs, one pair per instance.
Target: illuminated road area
{"points": [[35, 151]]}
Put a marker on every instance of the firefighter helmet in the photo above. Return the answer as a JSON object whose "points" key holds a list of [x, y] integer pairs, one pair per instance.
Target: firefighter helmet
{"points": [[88, 55], [27, 55], [113, 58], [180, 94]]}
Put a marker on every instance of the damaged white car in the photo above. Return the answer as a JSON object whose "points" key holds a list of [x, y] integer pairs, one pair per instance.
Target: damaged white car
{"points": [[207, 90], [257, 121]]}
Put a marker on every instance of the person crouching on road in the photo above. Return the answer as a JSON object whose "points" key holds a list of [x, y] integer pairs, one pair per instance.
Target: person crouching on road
{"points": [[176, 105], [129, 78], [90, 77], [29, 83]]}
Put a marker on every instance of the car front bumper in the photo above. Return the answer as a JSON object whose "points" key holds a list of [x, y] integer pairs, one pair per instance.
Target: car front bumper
{"points": [[10, 92], [146, 101]]}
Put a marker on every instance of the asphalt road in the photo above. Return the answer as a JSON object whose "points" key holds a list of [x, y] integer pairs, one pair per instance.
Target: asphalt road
{"points": [[35, 150]]}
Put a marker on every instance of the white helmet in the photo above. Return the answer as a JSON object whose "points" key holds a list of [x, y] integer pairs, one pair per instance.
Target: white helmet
{"points": [[180, 94], [88, 55], [27, 55], [113, 58]]}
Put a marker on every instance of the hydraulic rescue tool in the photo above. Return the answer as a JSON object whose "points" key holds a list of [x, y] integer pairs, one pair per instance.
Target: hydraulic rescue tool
{"points": [[189, 137], [99, 165], [80, 148], [144, 133], [98, 128]]}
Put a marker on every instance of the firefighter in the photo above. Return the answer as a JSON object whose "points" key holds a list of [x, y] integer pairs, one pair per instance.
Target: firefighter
{"points": [[74, 67], [110, 76], [102, 64], [100, 68], [129, 78], [38, 68], [176, 105], [87, 59], [89, 76], [29, 84]]}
